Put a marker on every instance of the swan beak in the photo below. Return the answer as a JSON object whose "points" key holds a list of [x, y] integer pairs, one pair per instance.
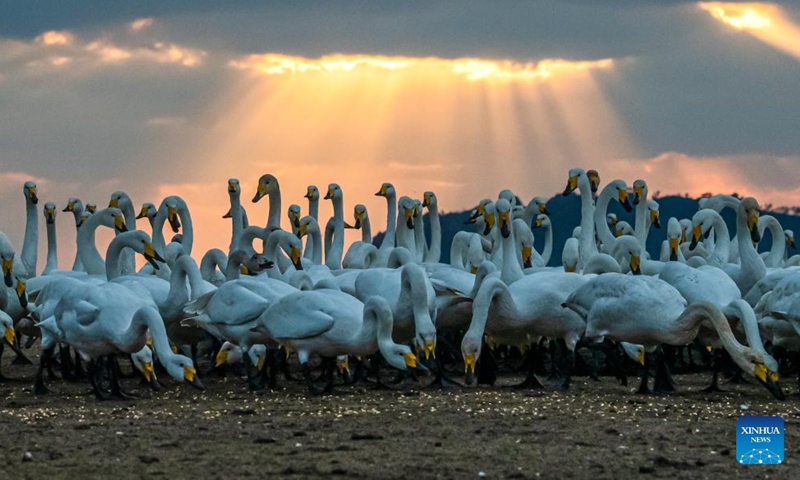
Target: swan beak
{"points": [[10, 336], [696, 233], [190, 375], [673, 249], [473, 269], [8, 265], [91, 207], [359, 216], [594, 180], [571, 268], [233, 187], [752, 224], [623, 199], [143, 213], [260, 192], [260, 364], [635, 262], [490, 342], [410, 359], [295, 256], [343, 365], [543, 209], [489, 218], [227, 214], [113, 203], [641, 357], [330, 193], [538, 223], [382, 192], [469, 368], [222, 357], [769, 379], [119, 223], [147, 371], [638, 193], [409, 216], [50, 215], [654, 218], [426, 199], [21, 295], [310, 193], [151, 255], [572, 184], [294, 218], [32, 195], [430, 349], [302, 230], [70, 207], [790, 241], [505, 231], [527, 253], [174, 221], [618, 232], [477, 212]]}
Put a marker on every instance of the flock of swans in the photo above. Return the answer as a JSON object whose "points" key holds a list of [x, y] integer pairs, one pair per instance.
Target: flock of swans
{"points": [[297, 290]]}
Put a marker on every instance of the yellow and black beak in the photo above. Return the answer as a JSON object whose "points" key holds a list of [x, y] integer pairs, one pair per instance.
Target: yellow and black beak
{"points": [[295, 256], [697, 232], [477, 212], [302, 230], [343, 365], [408, 214], [261, 191], [673, 249], [119, 223], [641, 357], [260, 363], [752, 224], [113, 203], [310, 193], [222, 357], [538, 223], [227, 214], [572, 184], [359, 216], [638, 193], [654, 218], [469, 368], [382, 192], [527, 254], [623, 199], [296, 219], [11, 339], [635, 263], [769, 379], [91, 208], [617, 232], [543, 209], [190, 376], [330, 193], [70, 207], [32, 195], [594, 180], [430, 349], [143, 213], [50, 215], [21, 289], [426, 200], [233, 187], [505, 224], [149, 372], [570, 268], [8, 267], [489, 220], [151, 255], [174, 219], [410, 359], [790, 242]]}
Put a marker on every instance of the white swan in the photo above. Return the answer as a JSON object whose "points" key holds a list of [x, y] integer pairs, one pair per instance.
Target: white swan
{"points": [[52, 241], [237, 212], [75, 206], [122, 201], [387, 244], [334, 248], [294, 217], [268, 186], [543, 222], [25, 267], [775, 256], [361, 254], [331, 323], [616, 189], [434, 252], [650, 312], [751, 268], [174, 210], [580, 180]]}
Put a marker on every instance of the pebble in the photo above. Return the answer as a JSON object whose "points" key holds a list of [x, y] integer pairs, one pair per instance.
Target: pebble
{"points": [[27, 457]]}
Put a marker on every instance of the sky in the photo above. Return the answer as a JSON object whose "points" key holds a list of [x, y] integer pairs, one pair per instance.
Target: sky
{"points": [[461, 97]]}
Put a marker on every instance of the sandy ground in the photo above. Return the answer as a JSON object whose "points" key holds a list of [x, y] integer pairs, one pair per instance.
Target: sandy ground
{"points": [[598, 430]]}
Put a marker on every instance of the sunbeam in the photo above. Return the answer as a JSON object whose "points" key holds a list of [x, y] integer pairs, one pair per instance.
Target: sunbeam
{"points": [[764, 21]]}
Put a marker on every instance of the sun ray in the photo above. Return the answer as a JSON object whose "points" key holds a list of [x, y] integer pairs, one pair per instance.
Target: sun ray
{"points": [[764, 21]]}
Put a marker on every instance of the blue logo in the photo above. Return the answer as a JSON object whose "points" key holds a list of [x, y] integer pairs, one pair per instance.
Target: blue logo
{"points": [[759, 440]]}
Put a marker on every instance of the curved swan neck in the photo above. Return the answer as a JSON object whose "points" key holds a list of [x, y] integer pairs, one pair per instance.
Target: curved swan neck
{"points": [[601, 208], [93, 263], [641, 225], [333, 258], [213, 259], [493, 291], [366, 230], [414, 296], [391, 219], [30, 254], [512, 270], [696, 313], [435, 250], [548, 244], [744, 312], [777, 250]]}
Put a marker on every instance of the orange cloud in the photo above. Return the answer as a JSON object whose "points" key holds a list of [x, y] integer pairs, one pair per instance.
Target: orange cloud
{"points": [[55, 38], [764, 21], [140, 24]]}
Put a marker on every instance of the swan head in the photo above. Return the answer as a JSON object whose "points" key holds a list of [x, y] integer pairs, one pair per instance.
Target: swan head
{"points": [[751, 210], [428, 199], [634, 351], [540, 205], [91, 207], [312, 193], [611, 220], [407, 209], [294, 215], [292, 245], [503, 209], [359, 215], [623, 228], [228, 354], [489, 218], [674, 234], [29, 189], [233, 186], [9, 336], [120, 199], [470, 352], [570, 255], [386, 190], [305, 224], [542, 220], [119, 221], [73, 204], [479, 210], [143, 361], [639, 191], [572, 182], [181, 368], [148, 211], [752, 362], [686, 226], [334, 192], [8, 266], [594, 180], [789, 238], [50, 213], [622, 195], [652, 207], [266, 184], [21, 289], [172, 205], [140, 242]]}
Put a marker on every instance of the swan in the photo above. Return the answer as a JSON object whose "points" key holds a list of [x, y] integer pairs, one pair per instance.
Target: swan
{"points": [[646, 212], [529, 307], [268, 186], [570, 255], [334, 248], [412, 297], [543, 222], [277, 241], [467, 250], [751, 268], [237, 213], [537, 206], [405, 221], [717, 252], [75, 206], [91, 207], [149, 212], [231, 354], [420, 245], [430, 202], [361, 254], [52, 241], [648, 311], [387, 244], [309, 227], [789, 235], [173, 209], [294, 217], [331, 323], [121, 200], [9, 336], [25, 266], [578, 179], [616, 189], [774, 258]]}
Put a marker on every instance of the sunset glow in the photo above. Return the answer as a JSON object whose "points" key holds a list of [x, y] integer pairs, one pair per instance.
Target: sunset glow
{"points": [[764, 21]]}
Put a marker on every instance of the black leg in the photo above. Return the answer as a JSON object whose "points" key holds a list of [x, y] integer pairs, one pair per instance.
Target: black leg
{"points": [[570, 354], [530, 382], [643, 388], [39, 387], [715, 365], [663, 383], [116, 388]]}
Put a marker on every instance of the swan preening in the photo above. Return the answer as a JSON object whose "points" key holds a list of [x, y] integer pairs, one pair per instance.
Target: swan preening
{"points": [[304, 290]]}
